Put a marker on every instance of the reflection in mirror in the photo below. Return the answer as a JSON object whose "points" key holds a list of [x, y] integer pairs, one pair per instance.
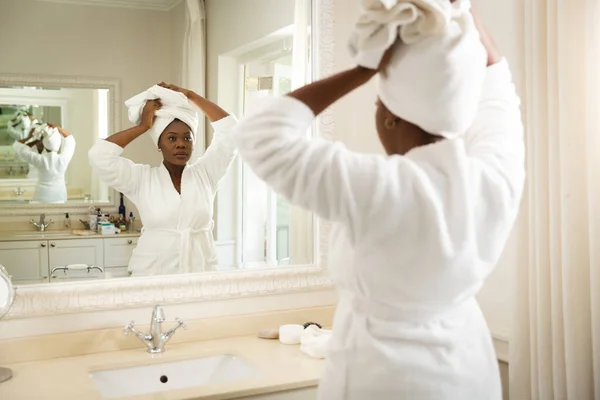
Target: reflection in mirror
{"points": [[40, 165], [137, 211], [6, 299]]}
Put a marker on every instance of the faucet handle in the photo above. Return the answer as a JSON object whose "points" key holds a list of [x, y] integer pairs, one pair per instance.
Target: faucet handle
{"points": [[129, 328], [180, 323]]}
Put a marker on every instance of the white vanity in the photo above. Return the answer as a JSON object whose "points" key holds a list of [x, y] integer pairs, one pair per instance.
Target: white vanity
{"points": [[41, 257]]}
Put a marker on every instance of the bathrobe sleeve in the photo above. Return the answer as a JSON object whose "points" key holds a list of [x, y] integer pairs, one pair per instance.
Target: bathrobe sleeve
{"points": [[117, 172], [495, 142], [30, 155], [220, 154], [322, 176], [68, 149]]}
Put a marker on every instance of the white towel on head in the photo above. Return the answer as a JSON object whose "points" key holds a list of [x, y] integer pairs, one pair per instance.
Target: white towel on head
{"points": [[50, 137], [436, 73], [19, 126], [174, 106]]}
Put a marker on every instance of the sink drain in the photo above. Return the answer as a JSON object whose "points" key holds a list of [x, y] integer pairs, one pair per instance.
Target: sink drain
{"points": [[164, 379]]}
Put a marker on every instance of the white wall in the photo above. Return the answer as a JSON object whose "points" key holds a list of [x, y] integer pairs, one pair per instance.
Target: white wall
{"points": [[132, 45], [355, 127]]}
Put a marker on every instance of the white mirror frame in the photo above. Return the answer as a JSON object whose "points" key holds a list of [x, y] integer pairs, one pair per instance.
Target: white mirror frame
{"points": [[70, 298], [11, 291], [114, 125]]}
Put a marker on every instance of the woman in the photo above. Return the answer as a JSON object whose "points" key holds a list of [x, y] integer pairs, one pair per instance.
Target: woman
{"points": [[414, 234], [175, 200], [50, 160]]}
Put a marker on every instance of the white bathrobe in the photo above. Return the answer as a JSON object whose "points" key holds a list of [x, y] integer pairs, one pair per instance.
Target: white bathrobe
{"points": [[413, 239], [51, 166], [177, 235]]}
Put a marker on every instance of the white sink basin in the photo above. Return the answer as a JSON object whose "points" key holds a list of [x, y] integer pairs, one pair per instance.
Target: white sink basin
{"points": [[43, 234], [153, 378]]}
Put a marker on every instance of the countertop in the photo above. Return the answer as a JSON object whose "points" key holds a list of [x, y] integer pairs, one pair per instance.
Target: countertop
{"points": [[10, 236], [281, 367]]}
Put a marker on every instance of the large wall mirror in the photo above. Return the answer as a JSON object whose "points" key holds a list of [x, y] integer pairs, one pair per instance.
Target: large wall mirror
{"points": [[234, 52]]}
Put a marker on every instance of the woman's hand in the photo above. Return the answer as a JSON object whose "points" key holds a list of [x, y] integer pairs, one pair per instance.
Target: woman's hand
{"points": [[148, 113], [175, 88], [63, 132], [385, 61]]}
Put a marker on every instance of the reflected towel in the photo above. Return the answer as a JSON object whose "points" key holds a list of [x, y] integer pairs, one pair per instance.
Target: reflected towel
{"points": [[50, 137], [174, 106], [18, 127], [435, 76], [314, 341]]}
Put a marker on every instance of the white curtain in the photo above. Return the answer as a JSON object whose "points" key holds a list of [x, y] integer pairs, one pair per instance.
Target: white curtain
{"points": [[193, 74], [555, 343]]}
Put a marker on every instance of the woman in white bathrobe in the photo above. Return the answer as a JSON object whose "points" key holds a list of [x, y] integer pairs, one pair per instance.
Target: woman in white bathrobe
{"points": [[174, 200], [50, 155], [414, 234]]}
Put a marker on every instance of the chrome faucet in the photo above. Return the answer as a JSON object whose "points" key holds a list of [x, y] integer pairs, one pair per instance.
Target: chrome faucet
{"points": [[155, 340], [42, 225]]}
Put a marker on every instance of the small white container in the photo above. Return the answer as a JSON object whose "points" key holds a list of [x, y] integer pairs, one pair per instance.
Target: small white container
{"points": [[290, 334]]}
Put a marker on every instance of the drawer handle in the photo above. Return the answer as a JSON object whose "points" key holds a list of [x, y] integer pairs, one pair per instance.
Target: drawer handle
{"points": [[130, 241], [52, 244], [43, 244], [65, 269]]}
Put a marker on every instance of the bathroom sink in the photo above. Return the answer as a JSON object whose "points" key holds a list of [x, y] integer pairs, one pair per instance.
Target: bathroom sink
{"points": [[153, 378]]}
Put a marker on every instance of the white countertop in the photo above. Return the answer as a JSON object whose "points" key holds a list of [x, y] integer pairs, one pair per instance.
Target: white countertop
{"points": [[10, 236], [281, 367]]}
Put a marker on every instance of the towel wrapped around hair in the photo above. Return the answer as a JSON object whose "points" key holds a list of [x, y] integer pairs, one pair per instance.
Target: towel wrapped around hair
{"points": [[18, 127], [50, 137], [435, 77], [175, 105]]}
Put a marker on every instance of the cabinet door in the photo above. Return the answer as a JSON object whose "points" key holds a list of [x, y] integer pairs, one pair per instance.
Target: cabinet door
{"points": [[26, 262], [79, 259], [118, 251]]}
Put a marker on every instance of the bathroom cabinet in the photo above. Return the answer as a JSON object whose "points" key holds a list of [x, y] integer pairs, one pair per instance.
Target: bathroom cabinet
{"points": [[26, 262], [309, 393], [33, 261]]}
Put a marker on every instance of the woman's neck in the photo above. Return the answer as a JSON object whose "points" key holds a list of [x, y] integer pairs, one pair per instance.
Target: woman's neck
{"points": [[174, 170]]}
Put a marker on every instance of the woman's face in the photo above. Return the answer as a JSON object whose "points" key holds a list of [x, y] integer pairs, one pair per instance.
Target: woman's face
{"points": [[176, 143]]}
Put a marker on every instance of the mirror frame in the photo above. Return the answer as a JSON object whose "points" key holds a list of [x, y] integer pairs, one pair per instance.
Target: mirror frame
{"points": [[11, 291], [114, 125], [77, 297]]}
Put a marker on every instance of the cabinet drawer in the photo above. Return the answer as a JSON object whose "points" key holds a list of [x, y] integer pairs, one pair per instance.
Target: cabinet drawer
{"points": [[117, 251], [73, 254]]}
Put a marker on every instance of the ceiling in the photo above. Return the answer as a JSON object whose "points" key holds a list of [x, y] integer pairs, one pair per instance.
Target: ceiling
{"points": [[159, 5]]}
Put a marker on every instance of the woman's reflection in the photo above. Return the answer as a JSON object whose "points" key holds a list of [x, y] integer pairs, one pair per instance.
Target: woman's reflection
{"points": [[49, 148], [175, 200]]}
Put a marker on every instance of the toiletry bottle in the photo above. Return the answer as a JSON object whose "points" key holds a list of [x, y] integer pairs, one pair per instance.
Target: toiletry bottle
{"points": [[122, 207], [67, 222], [131, 222], [121, 223], [93, 219]]}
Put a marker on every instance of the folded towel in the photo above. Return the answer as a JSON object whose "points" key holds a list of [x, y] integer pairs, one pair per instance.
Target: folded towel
{"points": [[314, 341], [436, 73], [174, 106]]}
